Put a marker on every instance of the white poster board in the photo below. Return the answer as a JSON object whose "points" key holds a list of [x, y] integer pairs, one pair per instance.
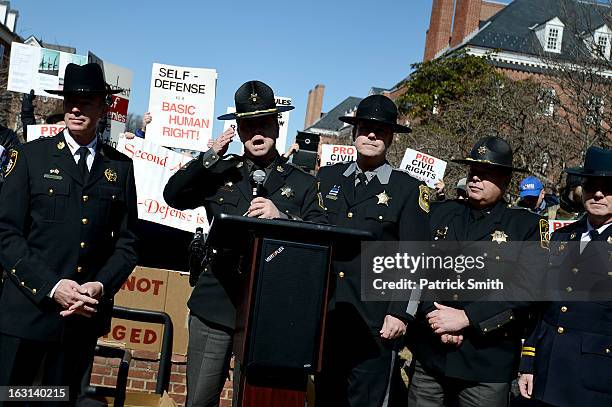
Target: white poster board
{"points": [[558, 224], [36, 131], [283, 122], [182, 103], [423, 167], [153, 166], [332, 154], [38, 68]]}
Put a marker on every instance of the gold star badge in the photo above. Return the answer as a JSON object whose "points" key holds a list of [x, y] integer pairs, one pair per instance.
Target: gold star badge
{"points": [[280, 168], [110, 175], [61, 145], [383, 198], [499, 237], [287, 191], [482, 150]]}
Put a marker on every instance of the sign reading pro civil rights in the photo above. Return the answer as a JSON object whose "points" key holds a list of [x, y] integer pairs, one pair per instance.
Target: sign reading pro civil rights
{"points": [[423, 167], [332, 154], [182, 103], [153, 166]]}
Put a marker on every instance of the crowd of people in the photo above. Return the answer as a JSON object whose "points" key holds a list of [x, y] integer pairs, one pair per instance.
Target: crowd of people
{"points": [[68, 242]]}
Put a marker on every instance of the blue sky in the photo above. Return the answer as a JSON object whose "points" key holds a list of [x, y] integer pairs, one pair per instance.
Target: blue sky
{"points": [[349, 46]]}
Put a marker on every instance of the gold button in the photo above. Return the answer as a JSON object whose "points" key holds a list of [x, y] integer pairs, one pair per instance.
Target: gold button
{"points": [[50, 191], [564, 309], [34, 291], [568, 289], [13, 271], [380, 217], [341, 274], [85, 198], [79, 269], [82, 245], [350, 214], [560, 330], [575, 270], [23, 283], [497, 257], [485, 330], [84, 221], [607, 350], [221, 199], [206, 163], [113, 197]]}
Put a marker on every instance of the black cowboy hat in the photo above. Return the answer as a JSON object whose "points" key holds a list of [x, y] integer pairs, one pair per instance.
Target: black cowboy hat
{"points": [[254, 99], [493, 151], [377, 108], [86, 78], [597, 163]]}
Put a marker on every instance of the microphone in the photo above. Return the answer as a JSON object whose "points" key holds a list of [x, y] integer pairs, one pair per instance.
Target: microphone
{"points": [[257, 179]]}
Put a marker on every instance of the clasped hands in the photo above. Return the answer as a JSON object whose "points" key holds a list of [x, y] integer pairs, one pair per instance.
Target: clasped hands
{"points": [[448, 323], [77, 299]]}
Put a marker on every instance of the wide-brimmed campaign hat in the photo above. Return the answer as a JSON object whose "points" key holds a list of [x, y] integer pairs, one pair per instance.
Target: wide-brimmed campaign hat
{"points": [[254, 99], [493, 151], [85, 79], [597, 163], [377, 108]]}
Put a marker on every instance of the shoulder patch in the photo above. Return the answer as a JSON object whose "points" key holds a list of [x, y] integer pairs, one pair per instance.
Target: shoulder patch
{"points": [[424, 198], [544, 234], [12, 161]]}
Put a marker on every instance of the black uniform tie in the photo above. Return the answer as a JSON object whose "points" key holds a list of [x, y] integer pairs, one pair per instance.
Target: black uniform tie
{"points": [[83, 153], [361, 185]]}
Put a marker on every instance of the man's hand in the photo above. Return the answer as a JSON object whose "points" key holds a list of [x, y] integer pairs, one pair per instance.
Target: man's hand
{"points": [[221, 144], [262, 208], [295, 147], [146, 119], [447, 319], [94, 289], [128, 135], [69, 292], [452, 339], [392, 327], [525, 383]]}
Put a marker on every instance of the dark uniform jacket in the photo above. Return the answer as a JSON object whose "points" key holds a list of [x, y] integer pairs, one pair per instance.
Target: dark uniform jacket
{"points": [[570, 350], [394, 209], [491, 345], [222, 185], [53, 226]]}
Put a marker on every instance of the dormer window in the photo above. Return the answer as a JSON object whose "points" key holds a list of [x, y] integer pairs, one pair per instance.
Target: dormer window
{"points": [[550, 35], [599, 42]]}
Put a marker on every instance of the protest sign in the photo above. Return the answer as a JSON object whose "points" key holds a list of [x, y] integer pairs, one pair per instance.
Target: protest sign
{"points": [[153, 166], [423, 167], [558, 224], [39, 69], [332, 154], [118, 78], [182, 103], [36, 131]]}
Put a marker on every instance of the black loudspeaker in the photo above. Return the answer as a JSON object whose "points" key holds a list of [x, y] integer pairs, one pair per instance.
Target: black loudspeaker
{"points": [[307, 141], [288, 303]]}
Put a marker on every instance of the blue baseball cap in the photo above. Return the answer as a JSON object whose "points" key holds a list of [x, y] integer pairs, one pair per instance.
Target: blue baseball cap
{"points": [[530, 186]]}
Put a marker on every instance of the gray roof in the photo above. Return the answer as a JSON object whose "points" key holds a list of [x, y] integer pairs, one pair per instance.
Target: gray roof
{"points": [[513, 28], [329, 123]]}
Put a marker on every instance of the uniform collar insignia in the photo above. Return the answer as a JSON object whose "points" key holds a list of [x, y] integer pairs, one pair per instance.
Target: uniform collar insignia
{"points": [[280, 168], [573, 236], [110, 175], [482, 150], [240, 164], [609, 240], [54, 171], [287, 191], [499, 236], [229, 184], [440, 233], [61, 145], [383, 198]]}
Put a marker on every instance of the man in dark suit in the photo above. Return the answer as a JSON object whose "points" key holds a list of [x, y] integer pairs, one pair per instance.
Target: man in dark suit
{"points": [[466, 352], [227, 184], [370, 195], [67, 212], [567, 360]]}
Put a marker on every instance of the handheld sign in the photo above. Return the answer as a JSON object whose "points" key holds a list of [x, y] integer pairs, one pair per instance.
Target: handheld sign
{"points": [[423, 167], [182, 103], [332, 154], [36, 131]]}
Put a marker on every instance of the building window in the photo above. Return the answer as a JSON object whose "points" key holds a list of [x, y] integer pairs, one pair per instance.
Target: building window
{"points": [[602, 46], [548, 99], [552, 42]]}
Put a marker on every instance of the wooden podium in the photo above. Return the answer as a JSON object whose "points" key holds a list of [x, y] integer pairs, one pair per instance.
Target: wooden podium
{"points": [[284, 286]]}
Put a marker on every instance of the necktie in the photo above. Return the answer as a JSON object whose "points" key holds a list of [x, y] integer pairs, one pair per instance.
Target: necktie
{"points": [[83, 153], [361, 185]]}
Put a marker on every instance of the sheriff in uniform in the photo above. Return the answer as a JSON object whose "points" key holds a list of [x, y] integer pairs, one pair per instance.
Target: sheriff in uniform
{"points": [[466, 352], [370, 195], [67, 217], [223, 184], [567, 360]]}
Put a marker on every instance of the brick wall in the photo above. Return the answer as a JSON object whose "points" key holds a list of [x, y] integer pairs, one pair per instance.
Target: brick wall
{"points": [[143, 375]]}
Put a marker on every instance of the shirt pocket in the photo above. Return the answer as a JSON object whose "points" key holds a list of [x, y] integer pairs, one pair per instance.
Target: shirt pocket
{"points": [[112, 203], [595, 362], [50, 200]]}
